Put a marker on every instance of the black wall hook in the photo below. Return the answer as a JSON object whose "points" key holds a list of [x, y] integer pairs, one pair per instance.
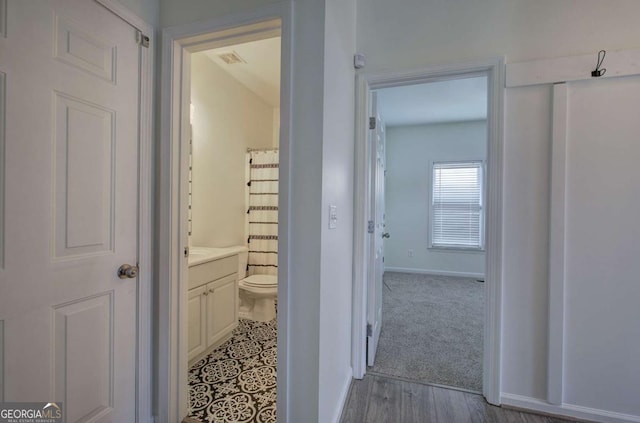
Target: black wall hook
{"points": [[598, 71]]}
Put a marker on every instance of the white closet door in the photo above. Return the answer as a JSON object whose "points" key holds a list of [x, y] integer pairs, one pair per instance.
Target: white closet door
{"points": [[71, 70]]}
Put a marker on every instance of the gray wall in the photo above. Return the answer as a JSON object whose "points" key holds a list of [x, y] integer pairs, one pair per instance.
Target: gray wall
{"points": [[410, 149]]}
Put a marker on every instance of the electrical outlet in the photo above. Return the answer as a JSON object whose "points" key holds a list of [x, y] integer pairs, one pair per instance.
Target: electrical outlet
{"points": [[410, 253]]}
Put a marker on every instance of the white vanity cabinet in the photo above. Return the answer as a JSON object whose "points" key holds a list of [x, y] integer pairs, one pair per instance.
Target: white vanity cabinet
{"points": [[197, 321], [212, 303], [222, 308]]}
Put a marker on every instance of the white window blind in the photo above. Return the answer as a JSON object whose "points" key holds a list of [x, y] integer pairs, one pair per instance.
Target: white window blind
{"points": [[456, 205]]}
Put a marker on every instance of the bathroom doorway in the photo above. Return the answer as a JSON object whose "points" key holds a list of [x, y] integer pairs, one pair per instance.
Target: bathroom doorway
{"points": [[232, 222], [225, 132]]}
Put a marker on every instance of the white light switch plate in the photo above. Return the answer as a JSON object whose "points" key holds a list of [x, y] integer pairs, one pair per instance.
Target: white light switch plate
{"points": [[333, 217]]}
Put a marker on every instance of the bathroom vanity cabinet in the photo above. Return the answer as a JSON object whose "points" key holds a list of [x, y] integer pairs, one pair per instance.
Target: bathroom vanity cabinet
{"points": [[212, 303]]}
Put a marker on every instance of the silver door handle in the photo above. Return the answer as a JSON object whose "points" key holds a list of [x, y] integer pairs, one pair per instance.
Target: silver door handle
{"points": [[386, 235], [127, 271]]}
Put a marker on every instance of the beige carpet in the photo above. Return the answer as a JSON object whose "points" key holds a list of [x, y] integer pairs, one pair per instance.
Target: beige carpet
{"points": [[432, 330]]}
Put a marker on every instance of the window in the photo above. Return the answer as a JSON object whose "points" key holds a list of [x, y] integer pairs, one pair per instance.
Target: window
{"points": [[457, 216]]}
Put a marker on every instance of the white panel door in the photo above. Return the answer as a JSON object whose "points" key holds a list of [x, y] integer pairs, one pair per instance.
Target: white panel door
{"points": [[71, 71], [376, 268]]}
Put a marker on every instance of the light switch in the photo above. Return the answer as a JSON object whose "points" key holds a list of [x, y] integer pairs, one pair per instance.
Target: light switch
{"points": [[333, 217]]}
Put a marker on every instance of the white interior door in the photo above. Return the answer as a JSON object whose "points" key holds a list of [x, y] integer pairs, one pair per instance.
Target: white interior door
{"points": [[376, 268], [71, 71]]}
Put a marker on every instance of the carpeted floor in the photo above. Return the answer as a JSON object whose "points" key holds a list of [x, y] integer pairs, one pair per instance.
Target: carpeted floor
{"points": [[432, 330], [237, 381]]}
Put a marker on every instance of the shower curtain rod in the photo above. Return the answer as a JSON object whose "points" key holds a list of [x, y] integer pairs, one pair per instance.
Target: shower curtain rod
{"points": [[249, 150]]}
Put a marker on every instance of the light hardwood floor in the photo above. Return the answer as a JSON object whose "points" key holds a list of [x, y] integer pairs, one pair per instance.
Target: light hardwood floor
{"points": [[383, 399]]}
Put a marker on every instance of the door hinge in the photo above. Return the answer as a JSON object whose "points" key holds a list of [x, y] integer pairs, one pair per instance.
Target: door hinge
{"points": [[372, 123], [142, 39], [370, 226], [186, 252], [369, 330]]}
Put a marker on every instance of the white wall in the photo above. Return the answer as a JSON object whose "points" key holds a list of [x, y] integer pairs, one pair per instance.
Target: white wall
{"points": [[410, 149], [525, 242], [228, 118], [337, 189], [435, 32], [418, 32]]}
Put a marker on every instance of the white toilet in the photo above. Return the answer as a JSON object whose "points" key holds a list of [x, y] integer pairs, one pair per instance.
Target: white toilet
{"points": [[258, 295]]}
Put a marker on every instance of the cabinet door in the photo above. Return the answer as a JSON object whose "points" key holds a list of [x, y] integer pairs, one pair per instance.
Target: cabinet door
{"points": [[222, 307], [197, 321]]}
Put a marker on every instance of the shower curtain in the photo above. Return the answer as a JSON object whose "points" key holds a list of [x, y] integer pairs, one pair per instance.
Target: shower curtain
{"points": [[262, 212]]}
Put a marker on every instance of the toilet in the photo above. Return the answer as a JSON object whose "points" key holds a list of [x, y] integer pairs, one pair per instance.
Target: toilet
{"points": [[257, 293]]}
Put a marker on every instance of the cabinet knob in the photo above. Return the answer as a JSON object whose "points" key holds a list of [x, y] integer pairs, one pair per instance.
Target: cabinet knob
{"points": [[205, 293], [212, 290]]}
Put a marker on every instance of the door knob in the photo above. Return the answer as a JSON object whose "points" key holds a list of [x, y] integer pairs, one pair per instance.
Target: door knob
{"points": [[127, 271], [386, 235]]}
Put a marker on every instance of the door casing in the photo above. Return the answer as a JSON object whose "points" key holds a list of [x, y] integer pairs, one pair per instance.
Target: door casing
{"points": [[493, 68], [146, 233]]}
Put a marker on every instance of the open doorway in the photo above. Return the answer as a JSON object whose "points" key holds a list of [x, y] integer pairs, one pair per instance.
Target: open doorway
{"points": [[370, 223], [433, 250], [232, 219], [221, 176]]}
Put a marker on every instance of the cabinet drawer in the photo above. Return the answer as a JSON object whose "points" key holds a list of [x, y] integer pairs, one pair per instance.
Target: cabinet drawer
{"points": [[212, 270]]}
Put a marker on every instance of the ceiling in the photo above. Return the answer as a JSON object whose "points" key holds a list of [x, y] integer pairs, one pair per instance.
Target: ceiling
{"points": [[260, 71], [435, 102]]}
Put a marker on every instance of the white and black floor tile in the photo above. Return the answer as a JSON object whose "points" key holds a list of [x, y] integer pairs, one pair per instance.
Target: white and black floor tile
{"points": [[237, 381]]}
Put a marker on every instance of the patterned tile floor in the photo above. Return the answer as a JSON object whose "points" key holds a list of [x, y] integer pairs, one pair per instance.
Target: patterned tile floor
{"points": [[237, 381]]}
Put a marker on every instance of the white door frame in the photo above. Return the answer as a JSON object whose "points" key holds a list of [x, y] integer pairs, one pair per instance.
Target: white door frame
{"points": [[177, 44], [493, 68], [144, 377]]}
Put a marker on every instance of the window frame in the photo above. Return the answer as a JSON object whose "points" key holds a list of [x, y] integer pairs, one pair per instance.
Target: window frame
{"points": [[430, 213]]}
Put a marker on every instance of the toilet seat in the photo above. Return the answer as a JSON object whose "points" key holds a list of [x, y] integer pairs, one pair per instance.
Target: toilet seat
{"points": [[261, 281]]}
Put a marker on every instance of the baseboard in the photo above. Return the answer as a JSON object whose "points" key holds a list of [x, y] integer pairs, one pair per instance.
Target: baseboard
{"points": [[567, 410], [435, 272], [344, 392]]}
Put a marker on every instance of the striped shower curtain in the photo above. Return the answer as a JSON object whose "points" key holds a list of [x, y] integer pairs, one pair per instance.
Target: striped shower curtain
{"points": [[262, 212]]}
